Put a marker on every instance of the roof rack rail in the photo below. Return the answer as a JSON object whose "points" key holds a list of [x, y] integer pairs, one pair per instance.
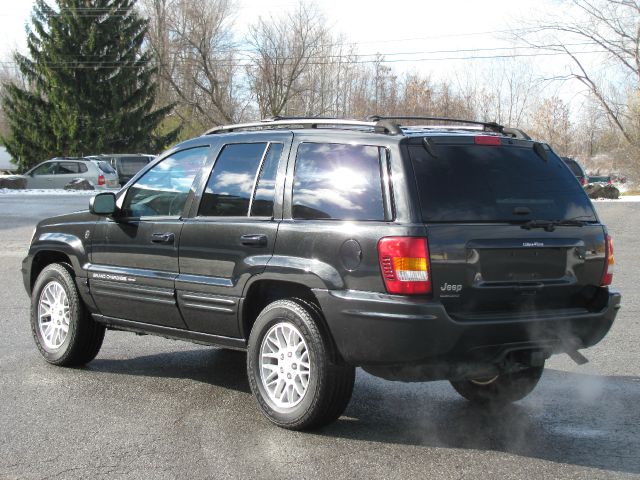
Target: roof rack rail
{"points": [[516, 133], [284, 122], [378, 123], [491, 126]]}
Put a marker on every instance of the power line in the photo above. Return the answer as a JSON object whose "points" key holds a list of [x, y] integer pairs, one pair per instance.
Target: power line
{"points": [[110, 65], [378, 55]]}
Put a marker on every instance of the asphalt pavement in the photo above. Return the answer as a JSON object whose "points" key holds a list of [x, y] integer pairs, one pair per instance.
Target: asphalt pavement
{"points": [[148, 407]]}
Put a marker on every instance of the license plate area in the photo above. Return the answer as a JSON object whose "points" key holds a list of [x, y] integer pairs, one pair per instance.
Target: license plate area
{"points": [[522, 264]]}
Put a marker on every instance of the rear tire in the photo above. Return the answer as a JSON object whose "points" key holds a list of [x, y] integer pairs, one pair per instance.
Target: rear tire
{"points": [[63, 330], [503, 389], [290, 367]]}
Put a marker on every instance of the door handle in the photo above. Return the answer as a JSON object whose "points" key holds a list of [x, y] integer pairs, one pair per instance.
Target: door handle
{"points": [[166, 238], [254, 240]]}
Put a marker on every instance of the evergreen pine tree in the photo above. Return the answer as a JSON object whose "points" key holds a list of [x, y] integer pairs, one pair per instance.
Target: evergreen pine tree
{"points": [[90, 84]]}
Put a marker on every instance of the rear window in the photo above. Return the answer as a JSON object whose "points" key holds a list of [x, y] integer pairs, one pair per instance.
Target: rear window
{"points": [[132, 165], [105, 167], [574, 167], [486, 183]]}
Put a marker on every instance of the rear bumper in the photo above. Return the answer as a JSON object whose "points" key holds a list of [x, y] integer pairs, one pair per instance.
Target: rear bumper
{"points": [[377, 329]]}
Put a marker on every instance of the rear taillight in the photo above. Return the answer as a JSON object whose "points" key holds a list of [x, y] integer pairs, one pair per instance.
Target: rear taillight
{"points": [[101, 180], [607, 275], [610, 182], [404, 262], [583, 181]]}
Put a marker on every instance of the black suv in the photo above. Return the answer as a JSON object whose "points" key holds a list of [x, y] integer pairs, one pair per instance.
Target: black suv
{"points": [[465, 252]]}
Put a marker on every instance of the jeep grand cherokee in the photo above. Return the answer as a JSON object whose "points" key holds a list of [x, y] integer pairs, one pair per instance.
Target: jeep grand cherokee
{"points": [[463, 251]]}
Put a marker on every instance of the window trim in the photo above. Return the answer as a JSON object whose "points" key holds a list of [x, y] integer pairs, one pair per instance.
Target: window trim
{"points": [[255, 180], [387, 185]]}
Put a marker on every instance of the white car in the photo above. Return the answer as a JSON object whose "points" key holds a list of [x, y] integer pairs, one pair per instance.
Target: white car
{"points": [[59, 172]]}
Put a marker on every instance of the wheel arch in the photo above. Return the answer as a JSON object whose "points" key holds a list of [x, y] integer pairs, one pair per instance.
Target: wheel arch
{"points": [[265, 290], [45, 257]]}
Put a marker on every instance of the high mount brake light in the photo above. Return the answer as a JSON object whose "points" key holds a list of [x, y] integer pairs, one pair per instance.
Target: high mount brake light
{"points": [[607, 275], [487, 140], [404, 262]]}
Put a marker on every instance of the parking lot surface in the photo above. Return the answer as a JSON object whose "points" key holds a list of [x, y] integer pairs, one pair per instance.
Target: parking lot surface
{"points": [[148, 407]]}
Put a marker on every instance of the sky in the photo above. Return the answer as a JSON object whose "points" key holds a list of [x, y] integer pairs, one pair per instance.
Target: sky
{"points": [[419, 26], [421, 35]]}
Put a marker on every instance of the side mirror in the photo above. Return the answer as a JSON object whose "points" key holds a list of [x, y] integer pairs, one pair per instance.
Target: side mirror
{"points": [[103, 204]]}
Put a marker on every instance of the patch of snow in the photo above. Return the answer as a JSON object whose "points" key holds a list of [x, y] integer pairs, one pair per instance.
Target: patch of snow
{"points": [[623, 198], [51, 191]]}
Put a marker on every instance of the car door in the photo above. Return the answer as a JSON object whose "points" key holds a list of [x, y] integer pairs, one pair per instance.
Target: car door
{"points": [[231, 234], [135, 254], [42, 176]]}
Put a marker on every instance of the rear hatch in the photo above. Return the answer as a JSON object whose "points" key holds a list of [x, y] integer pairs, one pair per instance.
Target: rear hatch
{"points": [[510, 231]]}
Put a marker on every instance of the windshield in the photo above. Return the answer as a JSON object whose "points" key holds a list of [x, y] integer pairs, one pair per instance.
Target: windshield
{"points": [[467, 182]]}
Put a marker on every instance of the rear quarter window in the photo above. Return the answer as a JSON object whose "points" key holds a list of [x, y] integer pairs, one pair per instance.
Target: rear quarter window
{"points": [[467, 182], [105, 167], [338, 181]]}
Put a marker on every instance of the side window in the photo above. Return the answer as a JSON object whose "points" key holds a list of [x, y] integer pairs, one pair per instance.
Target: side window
{"points": [[45, 169], [336, 181], [262, 205], [163, 190], [82, 168], [66, 168], [228, 191]]}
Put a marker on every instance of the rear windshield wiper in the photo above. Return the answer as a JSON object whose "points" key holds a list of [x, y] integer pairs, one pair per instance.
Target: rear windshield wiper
{"points": [[550, 225]]}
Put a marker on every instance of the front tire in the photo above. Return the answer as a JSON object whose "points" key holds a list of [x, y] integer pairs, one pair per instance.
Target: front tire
{"points": [[502, 389], [63, 330], [290, 367]]}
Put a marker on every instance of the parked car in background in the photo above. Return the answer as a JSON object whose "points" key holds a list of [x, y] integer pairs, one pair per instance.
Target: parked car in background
{"points": [[125, 164], [577, 170], [59, 172]]}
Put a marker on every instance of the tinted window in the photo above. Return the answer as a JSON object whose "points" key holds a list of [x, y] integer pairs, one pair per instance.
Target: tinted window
{"points": [[338, 182], [163, 189], [65, 168], [486, 183], [83, 167], [262, 205], [231, 182], [45, 169]]}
